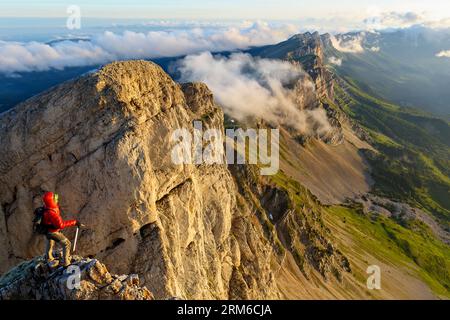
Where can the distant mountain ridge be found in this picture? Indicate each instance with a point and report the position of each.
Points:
(401, 66)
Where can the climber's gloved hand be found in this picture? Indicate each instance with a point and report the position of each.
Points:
(79, 224)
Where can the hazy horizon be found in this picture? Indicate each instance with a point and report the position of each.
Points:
(234, 9)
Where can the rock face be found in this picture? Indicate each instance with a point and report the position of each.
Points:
(294, 226)
(307, 51)
(194, 231)
(34, 280)
(103, 142)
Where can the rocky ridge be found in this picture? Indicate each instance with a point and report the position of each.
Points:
(307, 51)
(103, 142)
(35, 280)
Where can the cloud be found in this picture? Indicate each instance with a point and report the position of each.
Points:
(348, 43)
(394, 20)
(354, 42)
(109, 46)
(405, 19)
(443, 54)
(35, 56)
(335, 61)
(248, 87)
(438, 24)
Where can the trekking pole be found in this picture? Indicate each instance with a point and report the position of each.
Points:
(75, 241)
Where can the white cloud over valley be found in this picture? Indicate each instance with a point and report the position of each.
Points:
(335, 61)
(348, 43)
(248, 87)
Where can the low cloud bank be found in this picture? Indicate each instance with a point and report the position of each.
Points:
(404, 19)
(394, 19)
(248, 87)
(108, 46)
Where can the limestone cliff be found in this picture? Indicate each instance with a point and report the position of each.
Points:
(103, 143)
(330, 165)
(307, 50)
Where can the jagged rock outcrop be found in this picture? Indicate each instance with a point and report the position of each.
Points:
(307, 51)
(311, 57)
(372, 205)
(297, 228)
(84, 279)
(103, 142)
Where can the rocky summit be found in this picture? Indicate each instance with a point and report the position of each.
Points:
(35, 280)
(104, 142)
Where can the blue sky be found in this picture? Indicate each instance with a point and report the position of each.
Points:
(223, 9)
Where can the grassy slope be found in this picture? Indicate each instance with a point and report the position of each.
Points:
(397, 245)
(411, 249)
(413, 165)
(381, 237)
(409, 83)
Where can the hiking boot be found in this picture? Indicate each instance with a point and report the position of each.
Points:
(53, 263)
(67, 262)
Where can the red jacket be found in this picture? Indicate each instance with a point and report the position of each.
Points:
(52, 215)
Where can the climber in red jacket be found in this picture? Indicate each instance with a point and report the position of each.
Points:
(53, 221)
